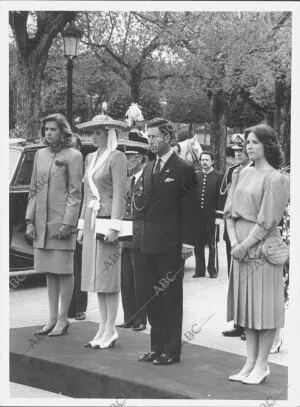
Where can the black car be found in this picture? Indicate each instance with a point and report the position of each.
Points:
(21, 157)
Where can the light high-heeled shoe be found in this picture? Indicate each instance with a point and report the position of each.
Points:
(43, 331)
(92, 343)
(105, 345)
(257, 380)
(276, 349)
(238, 377)
(62, 332)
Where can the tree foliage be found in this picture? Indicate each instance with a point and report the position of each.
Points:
(33, 35)
(222, 67)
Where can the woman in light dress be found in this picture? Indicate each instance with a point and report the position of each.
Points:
(254, 207)
(105, 183)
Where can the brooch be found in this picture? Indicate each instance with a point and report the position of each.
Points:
(61, 163)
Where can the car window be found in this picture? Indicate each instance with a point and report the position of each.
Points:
(25, 171)
(14, 156)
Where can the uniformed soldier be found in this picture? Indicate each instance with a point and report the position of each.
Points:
(209, 182)
(241, 161)
(132, 266)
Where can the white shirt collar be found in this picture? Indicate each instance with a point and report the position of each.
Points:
(164, 158)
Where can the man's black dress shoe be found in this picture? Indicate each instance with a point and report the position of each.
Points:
(148, 357)
(80, 316)
(213, 274)
(126, 325)
(165, 359)
(236, 331)
(243, 336)
(139, 327)
(196, 275)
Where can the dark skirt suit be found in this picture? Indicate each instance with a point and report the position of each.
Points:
(54, 199)
(101, 261)
(256, 202)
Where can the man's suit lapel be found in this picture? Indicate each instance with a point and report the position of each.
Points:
(166, 168)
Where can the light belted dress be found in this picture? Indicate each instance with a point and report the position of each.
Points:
(104, 194)
(256, 202)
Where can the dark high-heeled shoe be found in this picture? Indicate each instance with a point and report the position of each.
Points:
(87, 345)
(62, 332)
(43, 331)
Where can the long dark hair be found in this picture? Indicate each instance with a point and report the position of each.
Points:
(63, 124)
(266, 135)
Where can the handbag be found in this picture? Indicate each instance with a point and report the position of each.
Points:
(103, 225)
(274, 250)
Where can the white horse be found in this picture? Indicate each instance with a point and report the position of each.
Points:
(190, 150)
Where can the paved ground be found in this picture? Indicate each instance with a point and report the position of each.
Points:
(204, 304)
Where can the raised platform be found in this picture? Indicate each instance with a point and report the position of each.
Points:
(63, 365)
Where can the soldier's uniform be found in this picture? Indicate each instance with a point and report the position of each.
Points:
(132, 266)
(226, 182)
(211, 207)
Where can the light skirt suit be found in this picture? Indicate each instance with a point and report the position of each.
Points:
(256, 202)
(54, 199)
(101, 261)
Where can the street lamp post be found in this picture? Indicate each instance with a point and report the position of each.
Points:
(71, 37)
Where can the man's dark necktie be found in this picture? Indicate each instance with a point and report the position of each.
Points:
(132, 184)
(156, 169)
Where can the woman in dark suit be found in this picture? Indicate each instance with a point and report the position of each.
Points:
(52, 212)
(104, 195)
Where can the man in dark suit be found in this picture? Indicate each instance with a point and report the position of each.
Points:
(132, 259)
(168, 236)
(210, 209)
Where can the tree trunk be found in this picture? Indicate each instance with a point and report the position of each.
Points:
(29, 95)
(285, 128)
(32, 54)
(218, 136)
(190, 130)
(135, 84)
(279, 98)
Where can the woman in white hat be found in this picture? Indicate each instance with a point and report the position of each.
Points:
(104, 195)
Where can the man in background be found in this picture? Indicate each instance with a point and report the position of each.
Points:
(211, 209)
(242, 160)
(133, 290)
(79, 299)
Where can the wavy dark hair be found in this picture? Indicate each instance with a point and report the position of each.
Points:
(266, 135)
(208, 152)
(165, 126)
(63, 124)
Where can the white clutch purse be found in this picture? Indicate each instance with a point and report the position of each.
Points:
(103, 224)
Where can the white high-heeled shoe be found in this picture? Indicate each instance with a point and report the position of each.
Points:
(238, 377)
(276, 348)
(105, 345)
(257, 380)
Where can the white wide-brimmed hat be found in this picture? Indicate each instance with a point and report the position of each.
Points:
(103, 121)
